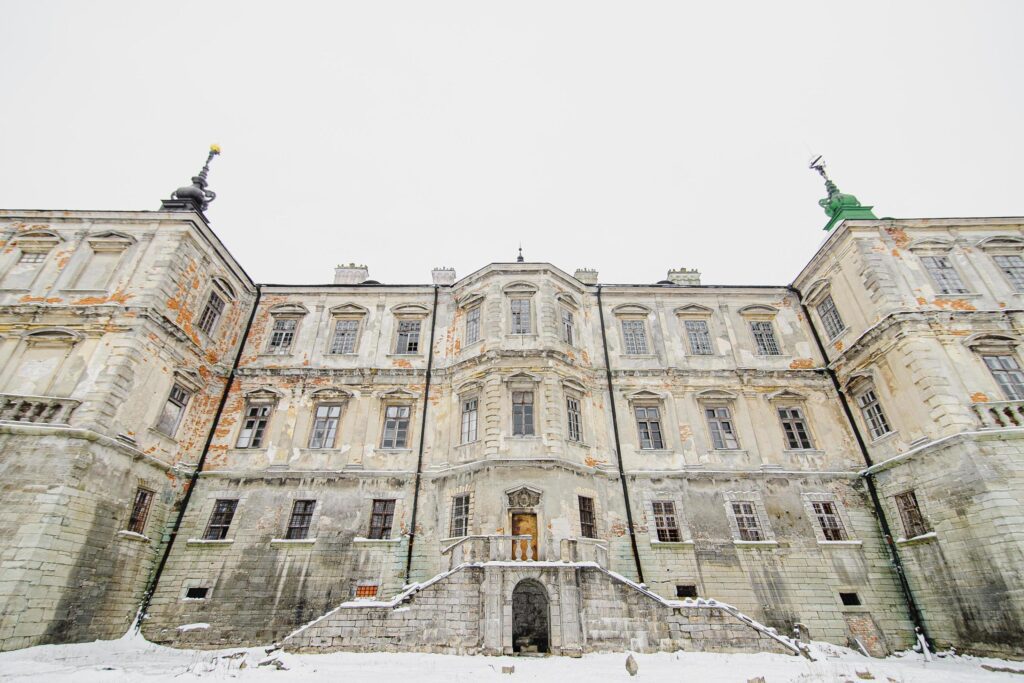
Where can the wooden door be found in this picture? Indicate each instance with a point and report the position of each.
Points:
(525, 523)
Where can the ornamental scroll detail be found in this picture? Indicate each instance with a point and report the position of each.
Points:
(523, 498)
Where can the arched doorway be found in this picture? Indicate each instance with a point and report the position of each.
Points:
(529, 617)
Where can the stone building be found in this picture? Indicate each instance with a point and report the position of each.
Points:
(519, 459)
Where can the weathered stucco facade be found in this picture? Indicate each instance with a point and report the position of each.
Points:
(521, 426)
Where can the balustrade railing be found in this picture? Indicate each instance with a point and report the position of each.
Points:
(39, 409)
(496, 547)
(584, 550)
(999, 414)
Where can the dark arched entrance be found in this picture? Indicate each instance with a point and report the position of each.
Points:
(529, 617)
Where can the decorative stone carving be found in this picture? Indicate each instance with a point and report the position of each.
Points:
(524, 498)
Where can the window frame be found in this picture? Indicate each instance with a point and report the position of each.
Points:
(412, 346)
(908, 506)
(399, 406)
(830, 318)
(630, 339)
(461, 514)
(645, 420)
(793, 426)
(474, 324)
(567, 324)
(587, 516)
(300, 531)
(690, 345)
(573, 418)
(528, 427)
(180, 403)
(385, 513)
(876, 419)
(219, 523)
(469, 420)
(276, 339)
(766, 341)
(945, 278)
(830, 523)
(1012, 389)
(253, 440)
(715, 423)
(1014, 274)
(142, 504)
(329, 404)
(517, 317)
(661, 514)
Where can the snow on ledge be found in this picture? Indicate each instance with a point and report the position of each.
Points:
(200, 626)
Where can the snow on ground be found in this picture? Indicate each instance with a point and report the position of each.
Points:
(135, 659)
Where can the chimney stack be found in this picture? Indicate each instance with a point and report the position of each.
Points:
(587, 276)
(443, 276)
(351, 274)
(684, 276)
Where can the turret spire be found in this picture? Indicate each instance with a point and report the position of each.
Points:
(519, 259)
(194, 197)
(838, 206)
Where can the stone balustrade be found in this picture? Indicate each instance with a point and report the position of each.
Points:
(495, 547)
(999, 414)
(39, 409)
(584, 550)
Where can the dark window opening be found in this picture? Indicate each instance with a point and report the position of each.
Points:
(302, 517)
(686, 591)
(850, 598)
(196, 593)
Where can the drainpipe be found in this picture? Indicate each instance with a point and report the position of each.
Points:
(423, 434)
(883, 522)
(147, 597)
(618, 444)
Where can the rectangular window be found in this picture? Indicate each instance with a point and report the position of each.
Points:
(665, 522)
(211, 313)
(282, 335)
(344, 340)
(648, 424)
(196, 593)
(520, 316)
(686, 591)
(795, 428)
(473, 325)
(723, 436)
(747, 522)
(945, 276)
(366, 591)
(174, 408)
(829, 521)
(396, 427)
(220, 520)
(96, 273)
(408, 337)
(254, 426)
(699, 337)
(522, 413)
(764, 337)
(588, 528)
(460, 515)
(850, 599)
(325, 425)
(302, 517)
(469, 420)
(1008, 375)
(910, 513)
(829, 315)
(381, 518)
(572, 414)
(871, 409)
(140, 511)
(634, 335)
(23, 273)
(32, 257)
(568, 325)
(1013, 267)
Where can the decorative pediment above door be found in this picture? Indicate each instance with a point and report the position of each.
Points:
(523, 497)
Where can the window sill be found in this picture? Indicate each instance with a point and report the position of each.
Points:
(655, 451)
(803, 451)
(773, 356)
(525, 437)
(292, 542)
(755, 544)
(201, 542)
(75, 290)
(671, 544)
(271, 354)
(953, 295)
(884, 437)
(161, 435)
(404, 355)
(841, 543)
(377, 541)
(468, 444)
(639, 356)
(133, 536)
(392, 450)
(580, 444)
(17, 290)
(918, 540)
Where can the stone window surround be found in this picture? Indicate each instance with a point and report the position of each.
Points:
(205, 510)
(718, 398)
(599, 513)
(322, 397)
(520, 290)
(695, 311)
(935, 246)
(762, 313)
(1002, 245)
(31, 242)
(814, 497)
(568, 303)
(466, 304)
(141, 484)
(62, 338)
(346, 311)
(196, 583)
(787, 398)
(409, 312)
(757, 499)
(994, 344)
(575, 390)
(634, 312)
(676, 498)
(648, 399)
(107, 241)
(222, 288)
(893, 509)
(447, 517)
(283, 514)
(816, 294)
(286, 311)
(363, 523)
(257, 396)
(397, 397)
(523, 381)
(859, 383)
(466, 391)
(190, 382)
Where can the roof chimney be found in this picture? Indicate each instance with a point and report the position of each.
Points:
(587, 276)
(351, 274)
(684, 276)
(443, 276)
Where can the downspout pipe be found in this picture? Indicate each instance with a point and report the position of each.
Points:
(876, 501)
(423, 435)
(147, 597)
(618, 443)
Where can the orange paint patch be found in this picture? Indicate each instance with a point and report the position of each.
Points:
(899, 236)
(978, 397)
(801, 364)
(685, 432)
(39, 300)
(117, 297)
(401, 363)
(591, 461)
(954, 304)
(838, 346)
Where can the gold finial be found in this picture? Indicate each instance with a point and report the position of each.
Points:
(214, 149)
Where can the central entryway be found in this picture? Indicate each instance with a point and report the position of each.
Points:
(529, 617)
(525, 523)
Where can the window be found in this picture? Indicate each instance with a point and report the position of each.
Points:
(910, 513)
(665, 522)
(325, 425)
(686, 591)
(795, 428)
(1013, 267)
(849, 599)
(469, 420)
(211, 314)
(302, 516)
(32, 257)
(699, 337)
(634, 337)
(568, 323)
(587, 520)
(522, 413)
(408, 337)
(220, 520)
(871, 409)
(764, 337)
(829, 315)
(473, 325)
(281, 335)
(196, 593)
(381, 518)
(572, 414)
(648, 424)
(520, 316)
(257, 415)
(944, 275)
(829, 521)
(460, 515)
(745, 514)
(723, 436)
(174, 408)
(140, 511)
(366, 591)
(344, 339)
(23, 273)
(1007, 374)
(396, 427)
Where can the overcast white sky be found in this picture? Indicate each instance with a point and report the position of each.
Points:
(625, 136)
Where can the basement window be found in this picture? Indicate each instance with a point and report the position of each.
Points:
(196, 593)
(366, 591)
(686, 591)
(849, 599)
